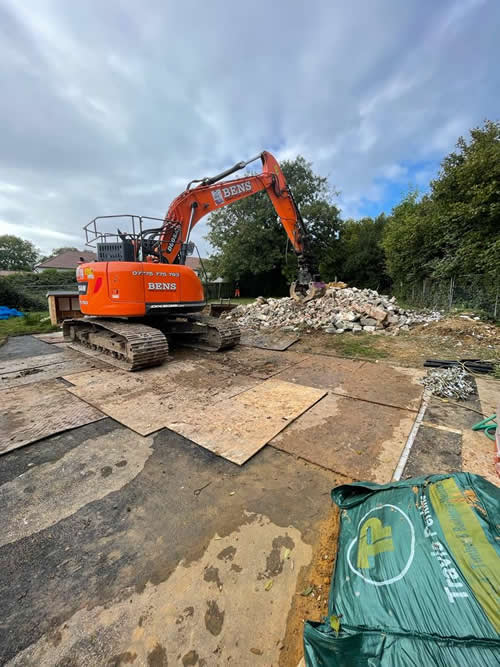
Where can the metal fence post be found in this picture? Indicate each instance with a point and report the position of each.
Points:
(496, 306)
(450, 295)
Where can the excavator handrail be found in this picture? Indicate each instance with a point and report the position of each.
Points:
(94, 235)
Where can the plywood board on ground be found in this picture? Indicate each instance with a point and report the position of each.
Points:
(257, 363)
(435, 450)
(51, 338)
(380, 383)
(35, 411)
(278, 340)
(123, 396)
(23, 363)
(352, 437)
(478, 451)
(147, 401)
(478, 455)
(489, 395)
(24, 346)
(236, 428)
(21, 371)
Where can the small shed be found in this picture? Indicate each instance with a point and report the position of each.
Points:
(63, 305)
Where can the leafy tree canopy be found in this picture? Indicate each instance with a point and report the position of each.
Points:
(16, 254)
(362, 260)
(455, 229)
(59, 251)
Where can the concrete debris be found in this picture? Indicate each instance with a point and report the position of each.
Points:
(451, 382)
(339, 310)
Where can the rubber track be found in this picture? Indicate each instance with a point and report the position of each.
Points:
(146, 346)
(229, 333)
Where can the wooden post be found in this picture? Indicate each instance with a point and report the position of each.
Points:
(53, 310)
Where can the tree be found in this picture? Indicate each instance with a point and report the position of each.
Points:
(251, 244)
(59, 251)
(363, 257)
(408, 239)
(455, 229)
(16, 254)
(466, 196)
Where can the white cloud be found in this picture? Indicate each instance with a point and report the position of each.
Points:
(113, 107)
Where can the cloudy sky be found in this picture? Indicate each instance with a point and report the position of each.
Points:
(111, 107)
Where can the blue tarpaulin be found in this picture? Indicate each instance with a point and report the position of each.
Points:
(6, 313)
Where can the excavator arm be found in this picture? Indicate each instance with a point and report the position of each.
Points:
(211, 194)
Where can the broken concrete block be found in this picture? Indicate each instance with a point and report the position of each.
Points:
(357, 327)
(377, 313)
(369, 329)
(368, 322)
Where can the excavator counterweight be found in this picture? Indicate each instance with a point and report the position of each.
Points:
(139, 294)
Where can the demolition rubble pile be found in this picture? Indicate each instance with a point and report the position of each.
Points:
(339, 310)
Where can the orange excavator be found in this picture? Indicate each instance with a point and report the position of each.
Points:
(140, 294)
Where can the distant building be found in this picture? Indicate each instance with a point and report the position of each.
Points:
(67, 260)
(195, 264)
(72, 258)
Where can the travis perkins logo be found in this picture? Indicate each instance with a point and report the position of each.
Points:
(231, 191)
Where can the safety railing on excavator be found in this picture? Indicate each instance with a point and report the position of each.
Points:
(141, 240)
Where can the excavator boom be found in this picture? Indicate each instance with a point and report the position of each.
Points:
(211, 194)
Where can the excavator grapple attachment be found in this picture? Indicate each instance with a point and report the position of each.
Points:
(302, 293)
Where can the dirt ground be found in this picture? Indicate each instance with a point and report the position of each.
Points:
(123, 549)
(450, 338)
(310, 601)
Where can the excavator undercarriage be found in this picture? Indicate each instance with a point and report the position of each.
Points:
(133, 345)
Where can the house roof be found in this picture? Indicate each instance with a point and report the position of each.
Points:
(193, 262)
(71, 259)
(68, 260)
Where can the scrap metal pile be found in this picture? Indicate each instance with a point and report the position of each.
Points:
(451, 382)
(338, 311)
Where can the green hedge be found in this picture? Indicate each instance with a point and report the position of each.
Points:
(27, 291)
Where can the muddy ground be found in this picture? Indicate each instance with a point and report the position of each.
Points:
(117, 549)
